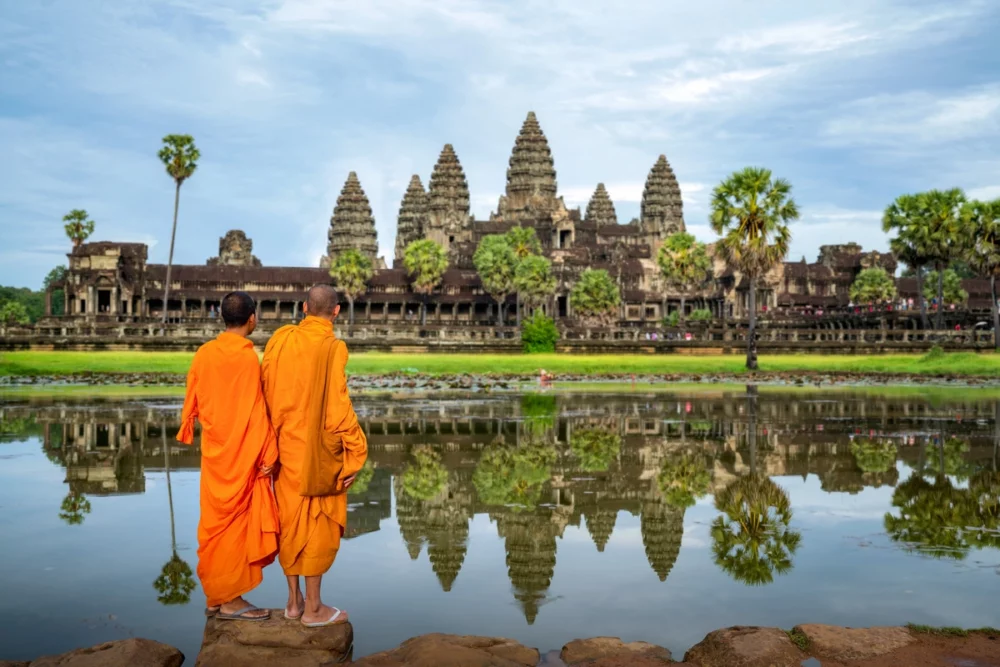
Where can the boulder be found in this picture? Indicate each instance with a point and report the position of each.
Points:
(611, 650)
(124, 653)
(276, 642)
(742, 646)
(836, 643)
(438, 650)
(13, 663)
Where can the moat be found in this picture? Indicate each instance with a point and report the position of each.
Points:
(542, 517)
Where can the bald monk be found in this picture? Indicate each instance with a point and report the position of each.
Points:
(238, 529)
(311, 526)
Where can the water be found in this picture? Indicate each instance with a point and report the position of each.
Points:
(542, 517)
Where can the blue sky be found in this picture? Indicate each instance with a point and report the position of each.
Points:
(854, 102)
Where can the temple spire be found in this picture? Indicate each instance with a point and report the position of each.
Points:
(352, 224)
(600, 208)
(412, 216)
(531, 177)
(662, 207)
(448, 218)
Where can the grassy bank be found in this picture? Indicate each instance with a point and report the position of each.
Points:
(958, 364)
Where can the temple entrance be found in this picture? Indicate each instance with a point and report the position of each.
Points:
(103, 301)
(561, 306)
(565, 238)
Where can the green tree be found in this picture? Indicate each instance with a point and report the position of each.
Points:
(180, 157)
(683, 479)
(524, 242)
(351, 272)
(943, 236)
(496, 263)
(981, 221)
(684, 264)
(426, 262)
(534, 281)
(78, 226)
(903, 217)
(595, 449)
(13, 313)
(935, 518)
(56, 276)
(751, 211)
(949, 286)
(175, 583)
(539, 334)
(426, 477)
(873, 455)
(75, 507)
(595, 297)
(873, 286)
(513, 475)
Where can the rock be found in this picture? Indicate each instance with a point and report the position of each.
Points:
(276, 642)
(438, 650)
(742, 646)
(579, 651)
(12, 663)
(837, 643)
(124, 653)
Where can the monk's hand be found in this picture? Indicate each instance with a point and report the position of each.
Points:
(266, 471)
(349, 480)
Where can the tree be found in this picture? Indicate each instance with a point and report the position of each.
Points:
(683, 479)
(539, 334)
(513, 475)
(534, 281)
(751, 211)
(56, 276)
(873, 286)
(982, 224)
(364, 478)
(180, 157)
(595, 296)
(13, 313)
(176, 581)
(351, 272)
(524, 242)
(684, 264)
(426, 477)
(78, 226)
(942, 235)
(75, 507)
(948, 287)
(595, 449)
(496, 263)
(426, 262)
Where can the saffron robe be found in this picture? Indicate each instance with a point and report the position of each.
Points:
(238, 528)
(311, 527)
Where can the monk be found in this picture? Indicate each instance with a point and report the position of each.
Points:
(238, 529)
(311, 526)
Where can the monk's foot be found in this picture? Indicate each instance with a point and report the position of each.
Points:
(295, 607)
(243, 610)
(325, 615)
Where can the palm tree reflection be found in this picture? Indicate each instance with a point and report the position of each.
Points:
(176, 580)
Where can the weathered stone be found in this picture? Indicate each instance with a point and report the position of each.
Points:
(662, 528)
(352, 224)
(13, 663)
(600, 525)
(837, 643)
(662, 210)
(580, 650)
(531, 176)
(412, 216)
(439, 650)
(741, 646)
(124, 653)
(600, 208)
(448, 219)
(278, 640)
(235, 249)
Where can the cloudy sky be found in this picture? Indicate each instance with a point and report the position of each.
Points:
(855, 102)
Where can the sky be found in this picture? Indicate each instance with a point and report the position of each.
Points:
(854, 102)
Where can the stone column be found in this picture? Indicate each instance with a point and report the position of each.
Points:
(48, 303)
(368, 310)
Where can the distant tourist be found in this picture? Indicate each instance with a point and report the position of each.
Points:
(545, 378)
(237, 532)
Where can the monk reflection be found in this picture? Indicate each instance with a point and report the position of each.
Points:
(237, 532)
(305, 386)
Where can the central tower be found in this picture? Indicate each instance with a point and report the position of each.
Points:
(531, 178)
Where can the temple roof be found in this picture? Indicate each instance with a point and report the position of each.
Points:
(600, 209)
(532, 171)
(412, 216)
(448, 190)
(352, 224)
(662, 209)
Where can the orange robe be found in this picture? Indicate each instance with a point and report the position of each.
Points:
(311, 528)
(238, 529)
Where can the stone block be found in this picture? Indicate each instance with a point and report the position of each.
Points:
(439, 650)
(585, 651)
(741, 646)
(276, 641)
(124, 653)
(837, 643)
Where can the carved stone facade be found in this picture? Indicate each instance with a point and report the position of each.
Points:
(600, 208)
(662, 207)
(352, 224)
(412, 222)
(235, 249)
(448, 218)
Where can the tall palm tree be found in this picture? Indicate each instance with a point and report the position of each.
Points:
(78, 226)
(941, 234)
(982, 224)
(524, 242)
(534, 281)
(351, 271)
(180, 156)
(496, 264)
(684, 265)
(751, 211)
(176, 580)
(426, 262)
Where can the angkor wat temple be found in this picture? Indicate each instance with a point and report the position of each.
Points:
(112, 292)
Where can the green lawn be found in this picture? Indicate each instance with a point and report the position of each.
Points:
(962, 364)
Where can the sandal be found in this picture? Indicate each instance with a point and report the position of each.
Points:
(241, 615)
(331, 621)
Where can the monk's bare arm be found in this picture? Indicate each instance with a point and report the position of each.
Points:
(185, 434)
(341, 418)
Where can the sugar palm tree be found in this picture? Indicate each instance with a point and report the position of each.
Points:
(74, 508)
(684, 264)
(351, 272)
(903, 217)
(751, 211)
(524, 242)
(496, 263)
(982, 224)
(78, 226)
(941, 234)
(534, 281)
(426, 262)
(180, 157)
(176, 580)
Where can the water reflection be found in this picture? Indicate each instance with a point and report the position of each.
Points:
(538, 464)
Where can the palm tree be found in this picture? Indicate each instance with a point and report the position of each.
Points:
(595, 297)
(176, 581)
(982, 224)
(426, 262)
(78, 226)
(426, 477)
(74, 508)
(496, 263)
(903, 216)
(351, 272)
(751, 211)
(684, 265)
(524, 242)
(595, 448)
(683, 479)
(534, 281)
(180, 156)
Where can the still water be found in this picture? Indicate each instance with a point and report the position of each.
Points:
(541, 517)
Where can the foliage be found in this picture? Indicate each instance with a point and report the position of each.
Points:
(948, 457)
(539, 412)
(33, 302)
(683, 261)
(873, 286)
(982, 222)
(872, 455)
(595, 448)
(595, 297)
(701, 315)
(934, 517)
(936, 353)
(56, 276)
(175, 583)
(672, 319)
(513, 476)
(523, 241)
(798, 638)
(751, 541)
(953, 292)
(351, 272)
(426, 477)
(14, 312)
(496, 263)
(683, 479)
(425, 262)
(75, 507)
(13, 427)
(364, 478)
(533, 280)
(539, 334)
(78, 226)
(179, 156)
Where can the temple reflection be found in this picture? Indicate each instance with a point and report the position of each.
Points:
(539, 463)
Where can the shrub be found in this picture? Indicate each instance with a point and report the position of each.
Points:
(539, 334)
(672, 320)
(701, 315)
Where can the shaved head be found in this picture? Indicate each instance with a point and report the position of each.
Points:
(322, 301)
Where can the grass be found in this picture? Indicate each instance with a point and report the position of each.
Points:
(949, 631)
(798, 638)
(967, 364)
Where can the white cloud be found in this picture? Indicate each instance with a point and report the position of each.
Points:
(799, 38)
(986, 192)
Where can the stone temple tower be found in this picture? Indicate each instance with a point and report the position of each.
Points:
(600, 209)
(531, 177)
(448, 218)
(412, 220)
(352, 224)
(662, 208)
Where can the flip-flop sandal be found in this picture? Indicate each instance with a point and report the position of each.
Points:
(241, 615)
(292, 618)
(331, 621)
